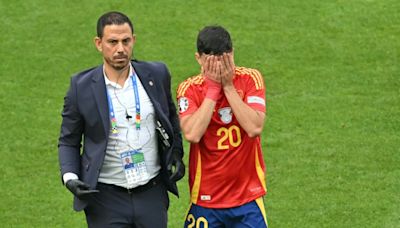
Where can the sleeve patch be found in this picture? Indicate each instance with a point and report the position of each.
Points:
(183, 104)
(255, 100)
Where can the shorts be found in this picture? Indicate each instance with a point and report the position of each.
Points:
(251, 215)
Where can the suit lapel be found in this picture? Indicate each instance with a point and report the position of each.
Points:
(151, 85)
(148, 83)
(99, 93)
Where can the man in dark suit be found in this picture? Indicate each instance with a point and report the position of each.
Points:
(121, 110)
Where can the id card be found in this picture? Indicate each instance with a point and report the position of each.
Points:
(134, 166)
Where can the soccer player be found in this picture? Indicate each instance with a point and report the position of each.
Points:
(222, 112)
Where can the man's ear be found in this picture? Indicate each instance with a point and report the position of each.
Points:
(198, 58)
(133, 39)
(233, 56)
(97, 42)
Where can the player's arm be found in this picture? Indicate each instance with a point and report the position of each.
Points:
(251, 120)
(195, 125)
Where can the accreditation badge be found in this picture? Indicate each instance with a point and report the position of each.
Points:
(134, 166)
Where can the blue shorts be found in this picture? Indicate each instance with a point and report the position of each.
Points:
(251, 215)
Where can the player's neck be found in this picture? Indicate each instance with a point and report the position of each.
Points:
(117, 76)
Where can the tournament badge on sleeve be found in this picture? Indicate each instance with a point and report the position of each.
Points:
(134, 166)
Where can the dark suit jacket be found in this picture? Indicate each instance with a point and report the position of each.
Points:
(85, 118)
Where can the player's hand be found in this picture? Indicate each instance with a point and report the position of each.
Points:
(79, 188)
(211, 68)
(227, 69)
(211, 72)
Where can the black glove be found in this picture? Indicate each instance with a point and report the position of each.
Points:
(79, 188)
(176, 168)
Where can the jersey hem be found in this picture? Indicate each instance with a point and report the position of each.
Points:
(232, 205)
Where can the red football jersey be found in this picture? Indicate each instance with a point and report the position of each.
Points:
(226, 168)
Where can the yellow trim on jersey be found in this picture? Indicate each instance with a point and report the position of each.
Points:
(187, 83)
(254, 74)
(182, 88)
(260, 204)
(260, 171)
(198, 79)
(197, 178)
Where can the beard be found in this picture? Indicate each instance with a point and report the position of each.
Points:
(118, 63)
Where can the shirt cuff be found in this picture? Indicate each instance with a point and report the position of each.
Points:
(69, 176)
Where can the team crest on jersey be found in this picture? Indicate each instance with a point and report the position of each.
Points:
(183, 104)
(225, 114)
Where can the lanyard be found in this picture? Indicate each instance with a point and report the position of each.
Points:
(136, 91)
(114, 128)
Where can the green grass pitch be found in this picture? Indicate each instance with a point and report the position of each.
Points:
(332, 135)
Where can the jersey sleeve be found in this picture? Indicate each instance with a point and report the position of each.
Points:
(255, 95)
(186, 98)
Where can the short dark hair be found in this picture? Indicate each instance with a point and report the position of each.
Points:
(214, 40)
(112, 18)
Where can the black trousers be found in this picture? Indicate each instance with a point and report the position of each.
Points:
(117, 207)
